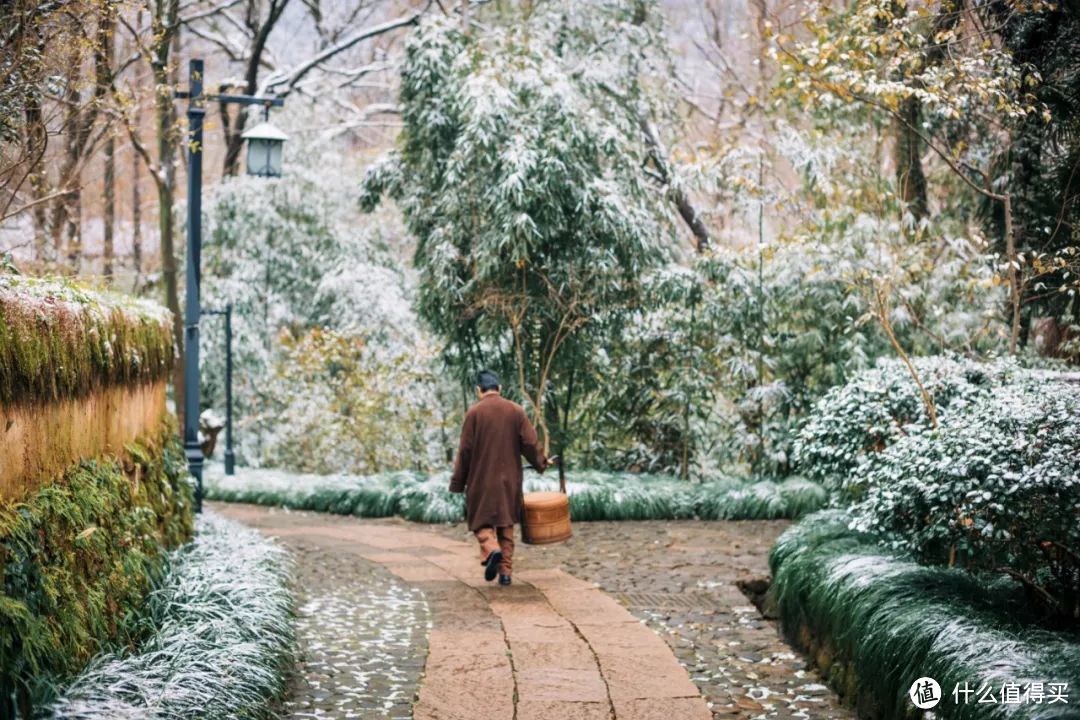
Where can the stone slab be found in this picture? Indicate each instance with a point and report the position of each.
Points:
(588, 607)
(652, 676)
(665, 709)
(548, 710)
(418, 571)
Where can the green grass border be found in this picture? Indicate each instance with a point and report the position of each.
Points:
(873, 622)
(78, 557)
(222, 643)
(594, 495)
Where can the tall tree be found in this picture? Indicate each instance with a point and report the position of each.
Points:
(158, 49)
(520, 174)
(1043, 164)
(105, 57)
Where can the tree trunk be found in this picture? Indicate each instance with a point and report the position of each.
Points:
(73, 226)
(110, 208)
(1014, 274)
(165, 30)
(37, 139)
(104, 66)
(910, 179)
(59, 223)
(136, 218)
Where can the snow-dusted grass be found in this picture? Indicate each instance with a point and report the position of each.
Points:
(593, 495)
(222, 640)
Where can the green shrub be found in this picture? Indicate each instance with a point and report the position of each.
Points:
(995, 488)
(59, 339)
(762, 500)
(880, 406)
(875, 621)
(78, 557)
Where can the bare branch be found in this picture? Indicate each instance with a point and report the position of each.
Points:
(290, 79)
(32, 203)
(202, 14)
(682, 203)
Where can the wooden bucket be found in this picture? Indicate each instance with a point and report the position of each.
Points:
(546, 518)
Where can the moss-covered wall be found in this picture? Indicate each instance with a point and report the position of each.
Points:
(61, 340)
(82, 373)
(78, 557)
(93, 488)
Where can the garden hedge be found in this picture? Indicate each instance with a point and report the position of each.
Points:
(995, 488)
(594, 495)
(874, 621)
(878, 406)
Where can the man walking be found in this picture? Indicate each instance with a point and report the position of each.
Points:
(495, 435)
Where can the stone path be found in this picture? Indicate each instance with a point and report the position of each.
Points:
(362, 634)
(552, 645)
(683, 578)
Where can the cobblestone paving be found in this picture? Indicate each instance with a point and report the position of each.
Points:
(362, 634)
(680, 577)
(550, 647)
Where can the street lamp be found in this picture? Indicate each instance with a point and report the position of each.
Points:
(264, 143)
(192, 310)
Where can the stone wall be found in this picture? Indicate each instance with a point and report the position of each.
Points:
(39, 442)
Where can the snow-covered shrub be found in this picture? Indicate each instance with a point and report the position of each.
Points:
(340, 402)
(875, 621)
(306, 272)
(996, 487)
(222, 641)
(883, 404)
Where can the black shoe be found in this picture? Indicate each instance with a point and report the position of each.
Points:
(491, 567)
(504, 580)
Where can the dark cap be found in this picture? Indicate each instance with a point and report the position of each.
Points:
(487, 380)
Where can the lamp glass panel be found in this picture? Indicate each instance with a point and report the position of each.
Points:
(273, 165)
(258, 157)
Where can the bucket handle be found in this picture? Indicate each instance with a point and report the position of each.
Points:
(562, 478)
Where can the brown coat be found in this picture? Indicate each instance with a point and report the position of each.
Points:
(495, 435)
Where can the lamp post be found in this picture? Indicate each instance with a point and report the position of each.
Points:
(230, 457)
(196, 112)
